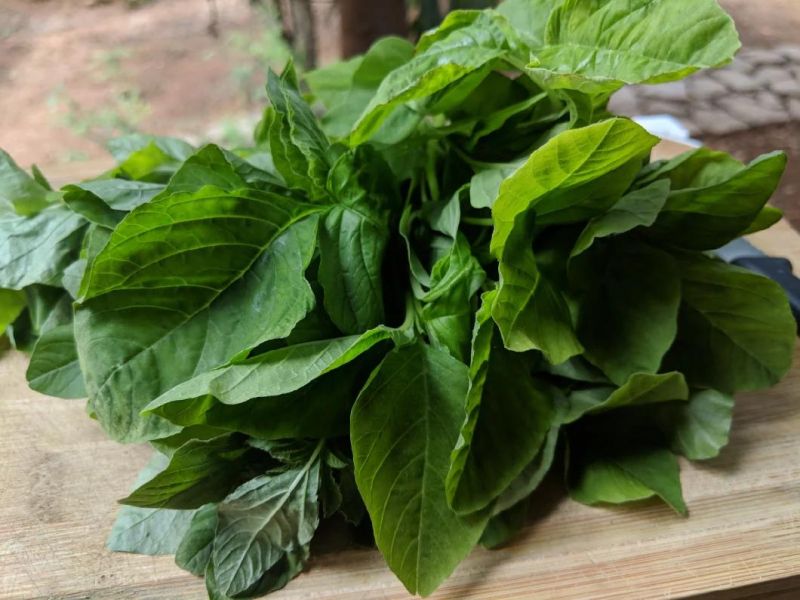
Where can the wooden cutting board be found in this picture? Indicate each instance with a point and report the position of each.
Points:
(60, 478)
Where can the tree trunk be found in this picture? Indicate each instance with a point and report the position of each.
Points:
(364, 21)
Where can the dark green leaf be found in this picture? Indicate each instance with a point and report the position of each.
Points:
(263, 521)
(401, 453)
(641, 388)
(199, 472)
(628, 317)
(194, 552)
(176, 272)
(508, 416)
(735, 332)
(54, 369)
(616, 468)
(299, 147)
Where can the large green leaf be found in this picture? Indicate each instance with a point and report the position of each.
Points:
(263, 521)
(402, 429)
(276, 372)
(149, 530)
(54, 368)
(508, 417)
(37, 249)
(529, 309)
(176, 273)
(320, 409)
(628, 317)
(199, 472)
(712, 207)
(577, 175)
(598, 45)
(464, 51)
(736, 331)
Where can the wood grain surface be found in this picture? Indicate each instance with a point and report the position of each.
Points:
(60, 478)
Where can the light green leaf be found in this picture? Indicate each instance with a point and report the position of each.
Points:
(346, 88)
(716, 207)
(462, 52)
(485, 184)
(12, 303)
(54, 368)
(628, 317)
(616, 469)
(149, 530)
(264, 520)
(401, 454)
(698, 429)
(577, 175)
(599, 45)
(529, 309)
(147, 157)
(20, 192)
(177, 273)
(508, 416)
(736, 331)
(37, 249)
(529, 18)
(641, 388)
(638, 208)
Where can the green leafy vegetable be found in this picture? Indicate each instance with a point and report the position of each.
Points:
(442, 273)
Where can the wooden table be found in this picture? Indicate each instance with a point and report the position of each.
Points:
(60, 477)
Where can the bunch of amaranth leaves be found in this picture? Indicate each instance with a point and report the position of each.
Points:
(439, 269)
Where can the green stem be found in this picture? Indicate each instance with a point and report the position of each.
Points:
(482, 221)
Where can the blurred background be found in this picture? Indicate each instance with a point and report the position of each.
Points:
(75, 73)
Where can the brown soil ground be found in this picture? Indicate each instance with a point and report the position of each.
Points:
(72, 74)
